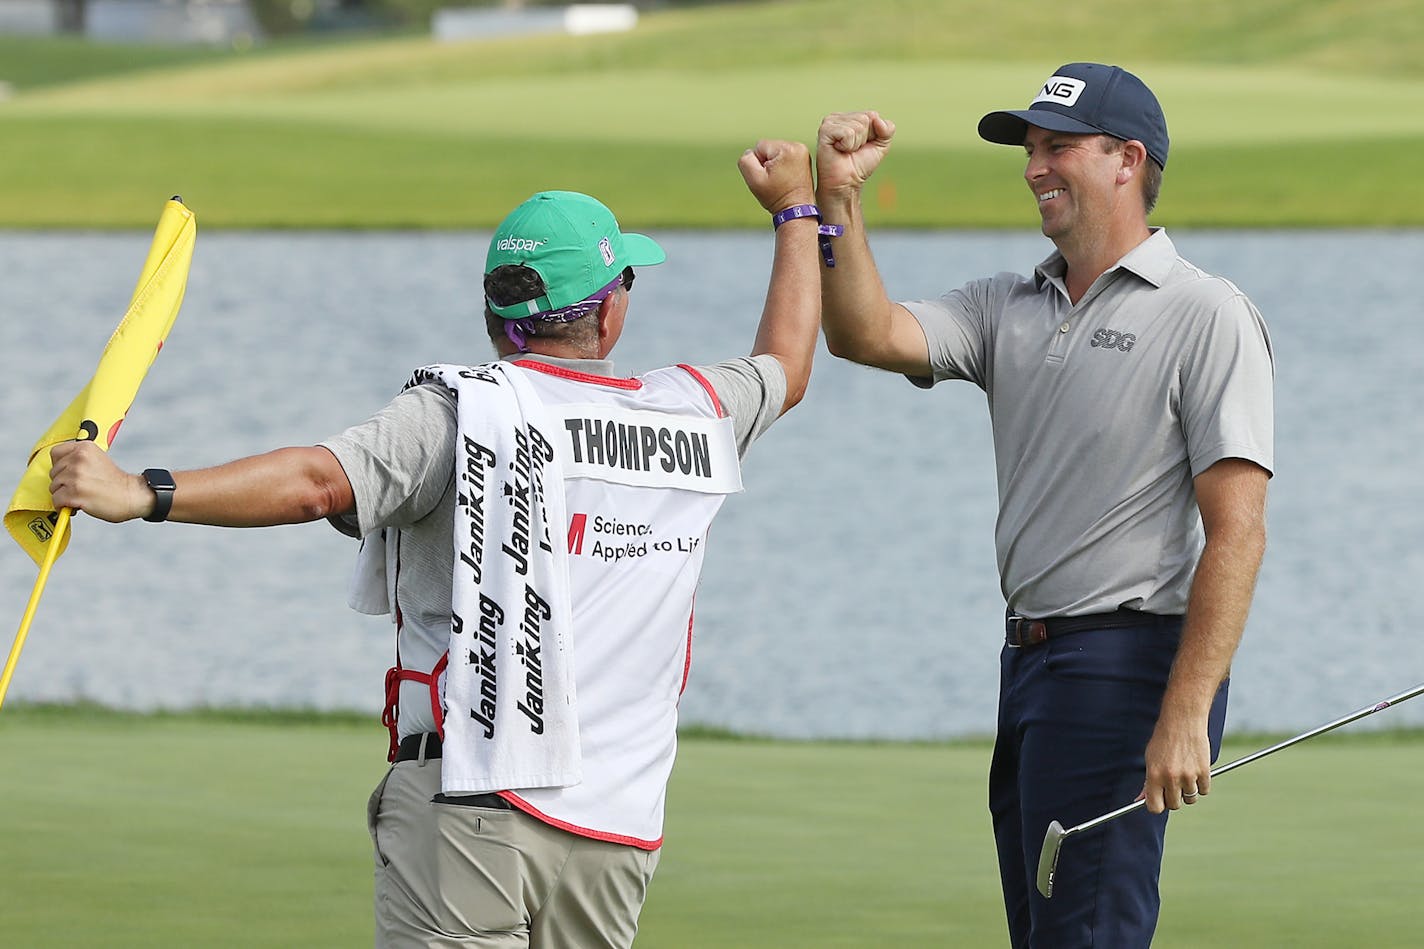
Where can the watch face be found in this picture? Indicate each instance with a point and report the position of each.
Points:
(159, 480)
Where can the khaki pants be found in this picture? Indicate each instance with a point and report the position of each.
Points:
(450, 875)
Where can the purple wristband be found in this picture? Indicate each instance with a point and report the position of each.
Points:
(824, 231)
(794, 212)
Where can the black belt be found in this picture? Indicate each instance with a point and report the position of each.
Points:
(1021, 631)
(409, 750)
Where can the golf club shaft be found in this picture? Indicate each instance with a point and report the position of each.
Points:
(1257, 755)
(1328, 726)
(1056, 835)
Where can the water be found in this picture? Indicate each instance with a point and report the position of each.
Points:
(849, 592)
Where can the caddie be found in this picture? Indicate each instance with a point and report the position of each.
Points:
(534, 526)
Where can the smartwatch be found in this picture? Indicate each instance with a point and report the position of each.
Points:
(160, 482)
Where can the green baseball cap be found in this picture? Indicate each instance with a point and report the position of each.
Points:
(575, 245)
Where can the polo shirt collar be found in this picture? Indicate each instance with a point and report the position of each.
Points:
(1152, 260)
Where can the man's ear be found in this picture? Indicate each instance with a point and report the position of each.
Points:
(1133, 153)
(611, 311)
(605, 316)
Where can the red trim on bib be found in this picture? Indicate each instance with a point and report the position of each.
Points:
(716, 402)
(575, 376)
(537, 814)
(687, 653)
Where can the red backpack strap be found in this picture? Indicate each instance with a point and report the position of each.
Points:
(391, 713)
(395, 675)
(437, 709)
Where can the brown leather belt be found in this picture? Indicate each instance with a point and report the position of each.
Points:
(1021, 631)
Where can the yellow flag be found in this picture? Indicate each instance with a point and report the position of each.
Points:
(98, 410)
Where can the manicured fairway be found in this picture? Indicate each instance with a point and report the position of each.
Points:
(1301, 126)
(200, 831)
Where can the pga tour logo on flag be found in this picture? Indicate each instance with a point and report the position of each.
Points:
(1063, 90)
(606, 249)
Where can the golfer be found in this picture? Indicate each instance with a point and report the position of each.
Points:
(1130, 397)
(535, 527)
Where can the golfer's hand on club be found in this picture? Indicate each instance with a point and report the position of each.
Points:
(778, 174)
(83, 477)
(1178, 763)
(849, 147)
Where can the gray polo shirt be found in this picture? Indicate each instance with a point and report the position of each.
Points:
(401, 465)
(1102, 413)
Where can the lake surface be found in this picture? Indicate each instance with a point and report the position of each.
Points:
(849, 592)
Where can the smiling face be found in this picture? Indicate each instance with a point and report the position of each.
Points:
(1076, 182)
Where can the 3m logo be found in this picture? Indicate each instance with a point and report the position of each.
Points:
(1063, 90)
(1112, 339)
(578, 525)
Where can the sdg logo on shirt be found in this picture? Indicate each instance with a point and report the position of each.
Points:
(1112, 339)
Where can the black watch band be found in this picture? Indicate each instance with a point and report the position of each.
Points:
(160, 482)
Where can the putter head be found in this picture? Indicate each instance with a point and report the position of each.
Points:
(1048, 858)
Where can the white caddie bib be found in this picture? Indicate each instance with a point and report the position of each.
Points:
(648, 449)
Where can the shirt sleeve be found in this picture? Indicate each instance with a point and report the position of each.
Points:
(401, 460)
(956, 328)
(1228, 376)
(752, 390)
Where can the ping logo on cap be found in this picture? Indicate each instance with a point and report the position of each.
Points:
(1064, 90)
(606, 249)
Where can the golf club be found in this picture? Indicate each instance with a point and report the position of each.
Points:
(1053, 840)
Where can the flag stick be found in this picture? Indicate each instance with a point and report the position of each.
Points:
(60, 526)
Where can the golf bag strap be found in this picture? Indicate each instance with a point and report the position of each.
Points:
(395, 675)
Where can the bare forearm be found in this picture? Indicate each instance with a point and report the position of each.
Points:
(778, 173)
(286, 486)
(1217, 607)
(855, 309)
(861, 322)
(1231, 496)
(792, 315)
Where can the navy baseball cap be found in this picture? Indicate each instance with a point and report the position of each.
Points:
(1089, 99)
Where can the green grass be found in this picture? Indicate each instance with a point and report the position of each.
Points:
(28, 62)
(35, 62)
(247, 830)
(1283, 113)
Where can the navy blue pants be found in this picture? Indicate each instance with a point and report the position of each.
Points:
(1075, 715)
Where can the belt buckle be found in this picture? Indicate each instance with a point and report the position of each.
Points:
(1025, 631)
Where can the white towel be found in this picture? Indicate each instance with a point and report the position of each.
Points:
(371, 590)
(511, 718)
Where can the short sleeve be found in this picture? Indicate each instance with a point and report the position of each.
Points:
(957, 331)
(1227, 408)
(752, 390)
(400, 461)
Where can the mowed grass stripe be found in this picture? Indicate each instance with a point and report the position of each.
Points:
(1283, 113)
(936, 104)
(112, 172)
(178, 832)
